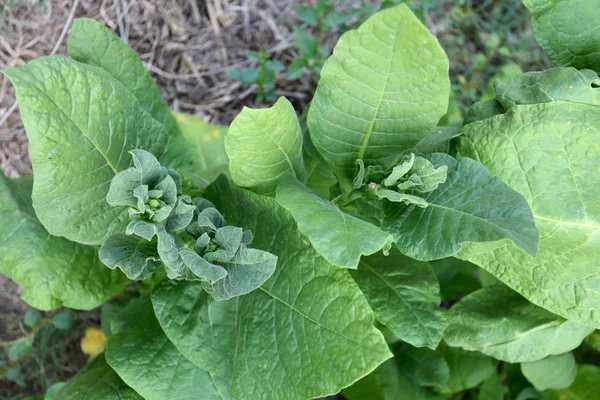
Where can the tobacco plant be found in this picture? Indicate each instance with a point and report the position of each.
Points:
(294, 258)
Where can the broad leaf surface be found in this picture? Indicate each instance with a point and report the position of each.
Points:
(319, 175)
(499, 322)
(467, 368)
(145, 359)
(383, 90)
(556, 84)
(207, 144)
(339, 237)
(492, 389)
(549, 153)
(307, 332)
(405, 296)
(554, 372)
(80, 124)
(482, 110)
(97, 381)
(568, 31)
(264, 146)
(424, 367)
(52, 271)
(92, 43)
(471, 206)
(586, 385)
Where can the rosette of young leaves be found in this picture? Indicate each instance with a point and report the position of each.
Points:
(223, 250)
(412, 173)
(152, 193)
(149, 189)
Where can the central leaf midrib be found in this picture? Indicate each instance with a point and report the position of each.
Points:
(365, 142)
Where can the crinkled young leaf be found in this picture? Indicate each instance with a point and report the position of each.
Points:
(554, 84)
(264, 146)
(339, 237)
(97, 381)
(568, 31)
(521, 147)
(145, 359)
(80, 124)
(399, 171)
(554, 372)
(246, 271)
(499, 322)
(586, 385)
(200, 267)
(383, 90)
(471, 206)
(182, 215)
(93, 44)
(467, 368)
(396, 197)
(307, 332)
(52, 271)
(424, 367)
(405, 296)
(135, 256)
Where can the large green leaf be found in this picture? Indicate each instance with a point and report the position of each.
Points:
(550, 153)
(264, 146)
(80, 124)
(145, 359)
(383, 90)
(471, 206)
(405, 296)
(556, 84)
(424, 367)
(92, 43)
(319, 176)
(554, 372)
(207, 144)
(568, 31)
(499, 322)
(97, 381)
(52, 271)
(339, 237)
(467, 368)
(385, 383)
(586, 385)
(307, 332)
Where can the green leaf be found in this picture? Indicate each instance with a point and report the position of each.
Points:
(207, 144)
(319, 176)
(145, 359)
(586, 385)
(568, 31)
(32, 318)
(385, 383)
(405, 296)
(554, 372)
(550, 154)
(93, 44)
(556, 84)
(307, 14)
(76, 150)
(52, 271)
(483, 110)
(268, 341)
(53, 391)
(492, 389)
(18, 350)
(136, 257)
(467, 368)
(97, 381)
(438, 141)
(456, 277)
(264, 146)
(339, 237)
(246, 271)
(383, 90)
(471, 206)
(499, 322)
(424, 367)
(64, 320)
